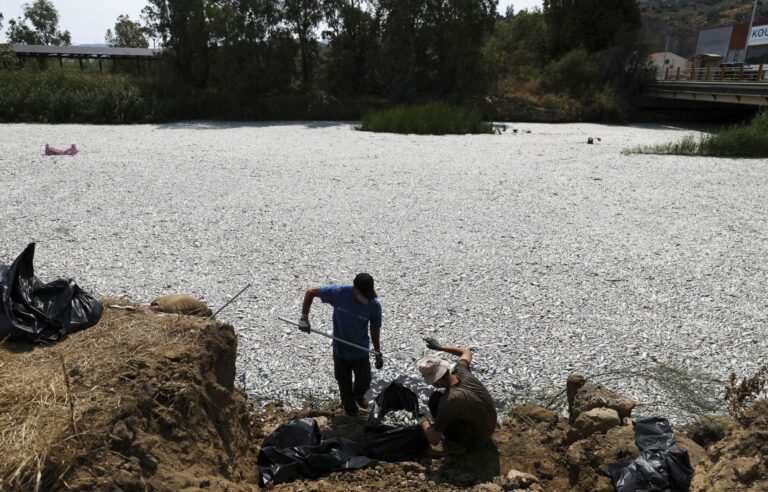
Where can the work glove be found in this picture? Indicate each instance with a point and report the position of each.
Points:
(379, 360)
(432, 343)
(304, 323)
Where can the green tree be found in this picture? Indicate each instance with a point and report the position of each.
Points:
(352, 46)
(517, 50)
(456, 33)
(402, 46)
(594, 25)
(43, 27)
(303, 17)
(255, 51)
(182, 26)
(434, 46)
(127, 34)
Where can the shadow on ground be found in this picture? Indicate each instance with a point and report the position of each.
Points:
(229, 125)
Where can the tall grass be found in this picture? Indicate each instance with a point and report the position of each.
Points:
(426, 119)
(745, 140)
(53, 97)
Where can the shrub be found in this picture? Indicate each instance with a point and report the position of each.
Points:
(575, 74)
(742, 397)
(426, 119)
(708, 429)
(746, 140)
(53, 97)
(567, 107)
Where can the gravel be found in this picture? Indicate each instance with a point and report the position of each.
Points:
(544, 254)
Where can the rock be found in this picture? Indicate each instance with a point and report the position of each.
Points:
(587, 396)
(537, 413)
(746, 469)
(487, 487)
(516, 479)
(604, 484)
(588, 457)
(575, 457)
(593, 421)
(121, 433)
(412, 467)
(575, 381)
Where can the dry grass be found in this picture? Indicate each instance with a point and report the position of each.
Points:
(688, 394)
(52, 398)
(743, 396)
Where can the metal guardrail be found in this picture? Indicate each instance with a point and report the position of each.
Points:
(713, 74)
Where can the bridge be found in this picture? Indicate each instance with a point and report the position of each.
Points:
(740, 85)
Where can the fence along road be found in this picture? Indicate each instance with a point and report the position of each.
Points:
(745, 85)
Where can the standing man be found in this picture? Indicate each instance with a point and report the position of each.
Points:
(354, 308)
(465, 412)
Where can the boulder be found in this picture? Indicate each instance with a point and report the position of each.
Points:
(746, 469)
(583, 396)
(587, 458)
(593, 421)
(516, 480)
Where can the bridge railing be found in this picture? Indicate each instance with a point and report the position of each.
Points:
(714, 74)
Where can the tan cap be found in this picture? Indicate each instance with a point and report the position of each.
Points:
(433, 368)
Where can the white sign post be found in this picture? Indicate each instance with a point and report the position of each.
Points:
(758, 36)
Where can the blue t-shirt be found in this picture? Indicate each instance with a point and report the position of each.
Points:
(350, 320)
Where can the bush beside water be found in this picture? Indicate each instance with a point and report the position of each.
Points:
(746, 140)
(52, 97)
(426, 119)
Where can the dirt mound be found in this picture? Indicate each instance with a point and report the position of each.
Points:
(144, 401)
(139, 401)
(738, 461)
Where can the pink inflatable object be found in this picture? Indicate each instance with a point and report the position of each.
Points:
(54, 151)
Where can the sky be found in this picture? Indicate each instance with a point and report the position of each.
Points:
(88, 20)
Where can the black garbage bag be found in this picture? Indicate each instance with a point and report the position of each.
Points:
(663, 466)
(394, 443)
(295, 450)
(31, 311)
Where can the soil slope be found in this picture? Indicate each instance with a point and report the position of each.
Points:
(147, 402)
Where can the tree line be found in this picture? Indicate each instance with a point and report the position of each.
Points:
(569, 53)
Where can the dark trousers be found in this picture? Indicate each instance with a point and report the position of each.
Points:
(344, 370)
(453, 432)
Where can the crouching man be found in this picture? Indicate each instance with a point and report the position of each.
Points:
(464, 413)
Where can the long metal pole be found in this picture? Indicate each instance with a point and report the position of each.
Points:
(229, 302)
(327, 335)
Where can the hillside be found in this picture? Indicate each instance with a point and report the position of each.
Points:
(682, 19)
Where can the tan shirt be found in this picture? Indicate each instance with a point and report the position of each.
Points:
(469, 405)
(180, 304)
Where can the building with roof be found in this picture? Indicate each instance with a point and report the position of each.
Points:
(662, 60)
(139, 56)
(729, 44)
